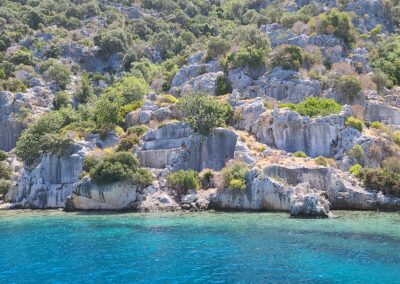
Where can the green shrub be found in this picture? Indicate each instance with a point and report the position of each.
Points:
(381, 80)
(355, 123)
(288, 57)
(90, 162)
(167, 99)
(348, 86)
(5, 170)
(3, 155)
(235, 175)
(357, 152)
(61, 100)
(396, 138)
(127, 143)
(249, 56)
(300, 154)
(339, 24)
(137, 130)
(321, 161)
(357, 170)
(43, 135)
(387, 60)
(222, 86)
(204, 113)
(218, 47)
(13, 85)
(206, 178)
(60, 74)
(22, 57)
(5, 186)
(313, 107)
(130, 89)
(86, 91)
(184, 180)
(380, 126)
(120, 166)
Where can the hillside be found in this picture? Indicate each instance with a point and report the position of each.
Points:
(158, 105)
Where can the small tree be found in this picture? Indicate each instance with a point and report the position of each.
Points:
(204, 113)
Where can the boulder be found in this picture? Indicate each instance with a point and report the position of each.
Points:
(176, 145)
(90, 196)
(188, 72)
(205, 83)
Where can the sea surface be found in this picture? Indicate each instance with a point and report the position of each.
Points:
(58, 247)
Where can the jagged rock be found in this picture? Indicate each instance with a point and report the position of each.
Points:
(206, 83)
(15, 107)
(279, 84)
(158, 201)
(50, 182)
(188, 72)
(301, 190)
(238, 79)
(145, 117)
(383, 112)
(90, 196)
(287, 130)
(377, 13)
(177, 146)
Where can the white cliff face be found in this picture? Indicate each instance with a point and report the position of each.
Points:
(90, 196)
(175, 145)
(287, 130)
(50, 182)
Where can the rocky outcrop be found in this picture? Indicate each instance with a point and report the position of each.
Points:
(303, 191)
(281, 85)
(193, 70)
(14, 108)
(90, 196)
(48, 183)
(383, 112)
(205, 83)
(176, 146)
(287, 130)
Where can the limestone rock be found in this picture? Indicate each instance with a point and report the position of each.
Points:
(90, 196)
(177, 146)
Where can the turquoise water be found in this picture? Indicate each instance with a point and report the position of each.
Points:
(57, 247)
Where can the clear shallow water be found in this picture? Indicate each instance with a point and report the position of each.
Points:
(57, 247)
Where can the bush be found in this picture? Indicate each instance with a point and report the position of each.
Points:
(127, 143)
(14, 85)
(300, 154)
(3, 155)
(137, 130)
(120, 166)
(396, 138)
(313, 107)
(60, 74)
(249, 56)
(356, 170)
(355, 123)
(217, 47)
(22, 57)
(204, 113)
(167, 99)
(5, 171)
(321, 161)
(357, 152)
(184, 180)
(5, 186)
(222, 85)
(131, 89)
(387, 61)
(61, 100)
(380, 126)
(288, 57)
(348, 86)
(90, 162)
(235, 175)
(339, 24)
(206, 178)
(43, 135)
